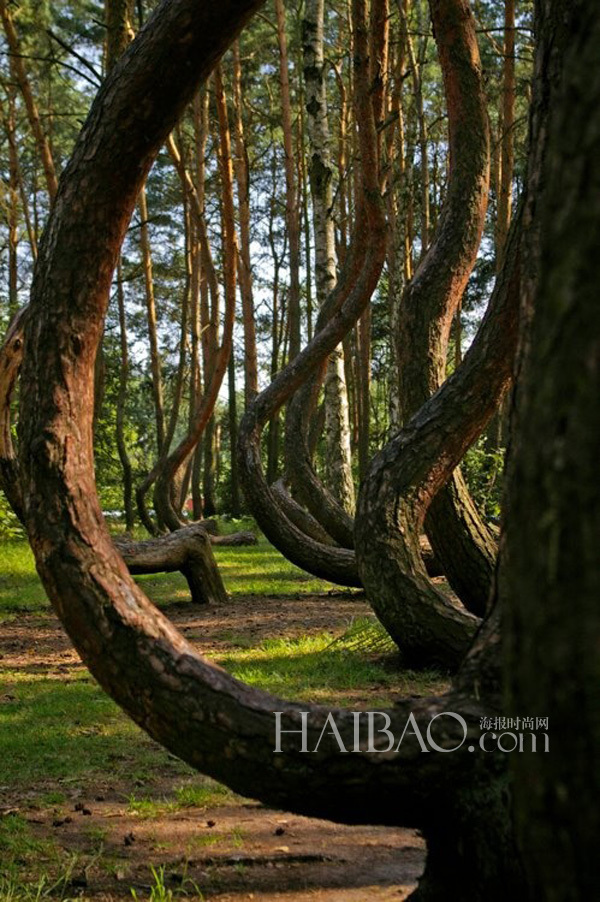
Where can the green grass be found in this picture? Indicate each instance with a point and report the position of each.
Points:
(20, 587)
(22, 853)
(60, 738)
(252, 570)
(202, 792)
(71, 733)
(319, 669)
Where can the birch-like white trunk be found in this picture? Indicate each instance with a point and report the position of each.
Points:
(338, 461)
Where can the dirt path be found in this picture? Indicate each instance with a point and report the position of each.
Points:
(234, 851)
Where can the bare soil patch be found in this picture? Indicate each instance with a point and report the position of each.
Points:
(237, 851)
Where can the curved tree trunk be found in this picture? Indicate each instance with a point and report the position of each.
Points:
(338, 314)
(460, 540)
(297, 515)
(194, 708)
(322, 502)
(404, 478)
(459, 800)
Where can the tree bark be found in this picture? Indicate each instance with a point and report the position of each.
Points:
(549, 573)
(122, 450)
(404, 478)
(507, 153)
(338, 463)
(189, 551)
(12, 217)
(292, 217)
(461, 541)
(345, 303)
(242, 175)
(20, 76)
(11, 356)
(217, 724)
(155, 361)
(235, 509)
(321, 500)
(205, 411)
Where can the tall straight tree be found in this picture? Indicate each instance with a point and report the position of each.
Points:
(242, 176)
(338, 463)
(292, 216)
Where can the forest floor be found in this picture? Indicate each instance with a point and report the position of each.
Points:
(92, 809)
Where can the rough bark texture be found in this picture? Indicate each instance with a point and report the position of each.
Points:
(188, 551)
(297, 515)
(119, 29)
(460, 540)
(192, 707)
(405, 476)
(549, 575)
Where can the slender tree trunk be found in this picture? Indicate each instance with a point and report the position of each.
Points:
(460, 540)
(338, 464)
(121, 401)
(416, 68)
(155, 361)
(20, 76)
(507, 154)
(13, 204)
(292, 218)
(337, 316)
(399, 251)
(245, 266)
(119, 29)
(220, 357)
(233, 424)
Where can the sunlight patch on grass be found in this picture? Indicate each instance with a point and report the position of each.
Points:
(315, 668)
(252, 570)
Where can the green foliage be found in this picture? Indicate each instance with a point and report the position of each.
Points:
(483, 470)
(10, 528)
(20, 849)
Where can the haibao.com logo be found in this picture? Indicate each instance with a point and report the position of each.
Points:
(372, 734)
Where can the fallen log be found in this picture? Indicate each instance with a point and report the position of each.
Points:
(235, 539)
(188, 550)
